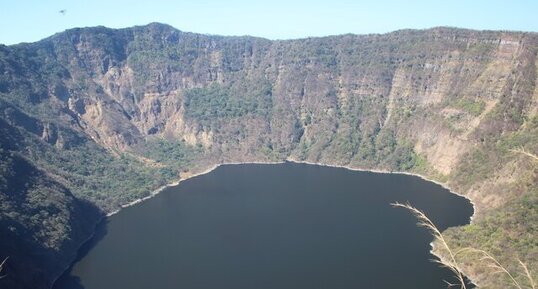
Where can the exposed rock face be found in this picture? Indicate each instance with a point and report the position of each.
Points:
(435, 102)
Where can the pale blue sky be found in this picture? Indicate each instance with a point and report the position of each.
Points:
(31, 20)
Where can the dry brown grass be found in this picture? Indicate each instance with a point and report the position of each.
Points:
(496, 267)
(452, 263)
(524, 152)
(2, 267)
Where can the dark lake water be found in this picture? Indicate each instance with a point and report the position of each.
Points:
(281, 226)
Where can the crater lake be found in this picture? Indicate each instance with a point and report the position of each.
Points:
(273, 226)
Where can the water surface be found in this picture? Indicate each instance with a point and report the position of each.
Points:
(281, 226)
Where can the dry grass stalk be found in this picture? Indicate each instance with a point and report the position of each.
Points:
(523, 151)
(527, 274)
(451, 263)
(2, 267)
(496, 265)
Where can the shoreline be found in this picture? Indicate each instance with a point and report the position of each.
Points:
(444, 186)
(432, 244)
(176, 183)
(292, 160)
(288, 159)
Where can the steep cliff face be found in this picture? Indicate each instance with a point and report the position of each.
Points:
(150, 101)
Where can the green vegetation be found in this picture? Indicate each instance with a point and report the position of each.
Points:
(422, 167)
(38, 216)
(216, 103)
(475, 108)
(93, 174)
(455, 256)
(506, 233)
(172, 157)
(213, 103)
(482, 162)
(509, 230)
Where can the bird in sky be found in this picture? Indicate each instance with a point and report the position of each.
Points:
(62, 11)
